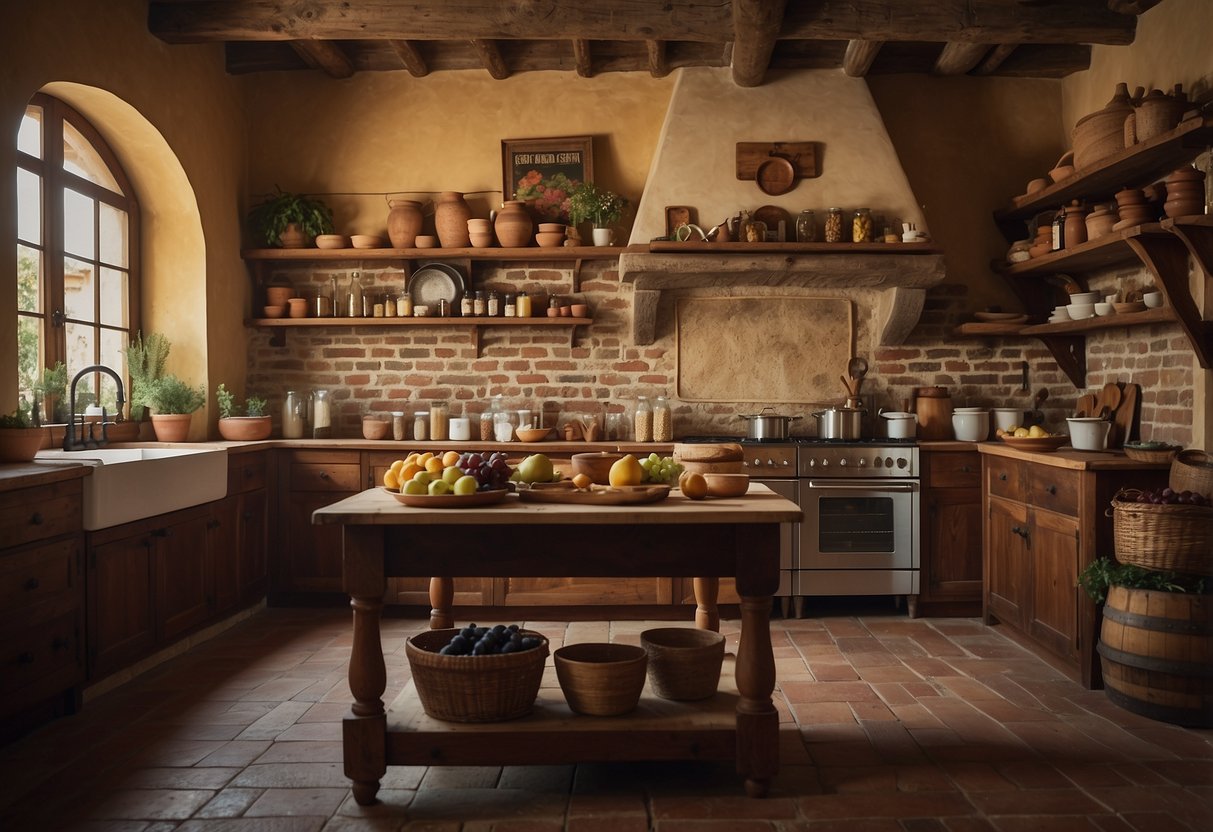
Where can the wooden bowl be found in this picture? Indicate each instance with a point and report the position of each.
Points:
(1127, 308)
(596, 465)
(550, 239)
(426, 241)
(601, 678)
(331, 241)
(366, 241)
(727, 485)
(273, 311)
(532, 434)
(684, 663)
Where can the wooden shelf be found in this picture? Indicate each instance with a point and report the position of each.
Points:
(983, 328)
(1162, 315)
(491, 253)
(1111, 250)
(666, 247)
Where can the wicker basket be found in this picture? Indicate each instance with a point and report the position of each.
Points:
(1164, 454)
(600, 678)
(490, 688)
(684, 664)
(1192, 470)
(1172, 538)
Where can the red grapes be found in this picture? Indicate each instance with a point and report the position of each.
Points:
(492, 471)
(1169, 497)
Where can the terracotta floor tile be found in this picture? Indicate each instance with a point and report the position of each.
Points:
(884, 805)
(148, 804)
(297, 824)
(705, 807)
(608, 824)
(1046, 823)
(229, 803)
(798, 692)
(297, 803)
(235, 753)
(461, 777)
(823, 672)
(1041, 802)
(700, 825)
(179, 778)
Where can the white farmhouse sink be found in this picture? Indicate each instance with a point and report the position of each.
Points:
(133, 483)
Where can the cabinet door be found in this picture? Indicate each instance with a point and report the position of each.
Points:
(1053, 612)
(951, 545)
(252, 517)
(309, 556)
(1007, 562)
(567, 592)
(121, 626)
(222, 542)
(473, 592)
(182, 577)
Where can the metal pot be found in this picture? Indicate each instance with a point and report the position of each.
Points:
(900, 425)
(766, 424)
(839, 423)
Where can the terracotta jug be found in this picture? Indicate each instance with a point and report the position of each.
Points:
(1076, 226)
(451, 215)
(933, 405)
(403, 222)
(513, 224)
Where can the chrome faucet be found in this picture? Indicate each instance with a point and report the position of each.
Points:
(70, 443)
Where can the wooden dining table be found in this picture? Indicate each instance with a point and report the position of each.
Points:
(676, 537)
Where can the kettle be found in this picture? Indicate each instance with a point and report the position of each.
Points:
(933, 406)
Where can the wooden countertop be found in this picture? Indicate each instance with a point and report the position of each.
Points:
(14, 475)
(1070, 458)
(950, 445)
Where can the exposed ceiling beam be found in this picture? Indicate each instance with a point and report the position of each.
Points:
(326, 56)
(993, 61)
(756, 25)
(411, 58)
(859, 56)
(658, 67)
(959, 58)
(1132, 6)
(582, 58)
(490, 56)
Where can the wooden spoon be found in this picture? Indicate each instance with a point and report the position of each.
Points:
(1109, 396)
(1085, 405)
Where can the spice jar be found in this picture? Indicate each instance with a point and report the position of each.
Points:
(833, 226)
(806, 227)
(663, 426)
(438, 421)
(466, 306)
(421, 425)
(511, 307)
(292, 415)
(642, 422)
(523, 305)
(494, 305)
(478, 304)
(398, 426)
(861, 226)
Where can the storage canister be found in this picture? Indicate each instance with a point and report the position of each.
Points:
(438, 421)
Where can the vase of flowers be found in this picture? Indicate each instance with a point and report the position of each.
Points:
(600, 206)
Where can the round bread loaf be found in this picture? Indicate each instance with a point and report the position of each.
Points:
(708, 452)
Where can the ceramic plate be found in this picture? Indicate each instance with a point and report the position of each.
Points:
(434, 282)
(480, 498)
(597, 495)
(1000, 317)
(1036, 443)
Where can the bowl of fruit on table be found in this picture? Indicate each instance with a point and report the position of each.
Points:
(1034, 438)
(448, 480)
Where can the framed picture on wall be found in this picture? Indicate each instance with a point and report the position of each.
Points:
(543, 173)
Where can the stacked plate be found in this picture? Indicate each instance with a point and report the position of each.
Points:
(1060, 314)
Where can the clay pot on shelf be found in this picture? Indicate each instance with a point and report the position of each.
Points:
(1100, 221)
(1159, 113)
(172, 427)
(293, 237)
(404, 221)
(1076, 227)
(451, 215)
(1185, 193)
(513, 224)
(1100, 134)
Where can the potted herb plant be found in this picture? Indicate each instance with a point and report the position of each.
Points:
(598, 205)
(20, 440)
(52, 387)
(145, 358)
(253, 426)
(173, 403)
(290, 220)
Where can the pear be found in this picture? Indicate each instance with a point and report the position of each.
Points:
(625, 471)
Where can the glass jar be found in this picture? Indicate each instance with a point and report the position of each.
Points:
(404, 305)
(833, 226)
(642, 421)
(399, 431)
(421, 425)
(861, 226)
(806, 227)
(438, 421)
(663, 426)
(322, 415)
(293, 410)
(523, 305)
(389, 305)
(493, 307)
(511, 307)
(486, 426)
(478, 304)
(466, 306)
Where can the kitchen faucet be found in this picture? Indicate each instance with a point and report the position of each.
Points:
(70, 443)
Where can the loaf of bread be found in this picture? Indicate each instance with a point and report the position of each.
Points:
(685, 452)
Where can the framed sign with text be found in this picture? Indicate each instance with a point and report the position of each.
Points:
(543, 172)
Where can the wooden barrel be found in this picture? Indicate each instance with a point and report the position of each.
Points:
(1157, 654)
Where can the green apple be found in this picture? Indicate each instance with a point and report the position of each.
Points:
(451, 475)
(414, 486)
(423, 477)
(535, 468)
(439, 487)
(465, 485)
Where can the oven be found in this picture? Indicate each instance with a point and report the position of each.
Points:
(860, 534)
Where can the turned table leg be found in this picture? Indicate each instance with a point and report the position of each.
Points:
(442, 598)
(707, 614)
(757, 719)
(364, 730)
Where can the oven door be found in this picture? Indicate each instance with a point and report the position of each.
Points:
(859, 524)
(787, 533)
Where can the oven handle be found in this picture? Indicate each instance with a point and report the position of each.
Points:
(837, 486)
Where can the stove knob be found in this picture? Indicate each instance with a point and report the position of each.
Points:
(863, 462)
(888, 462)
(757, 462)
(825, 463)
(842, 463)
(878, 462)
(771, 462)
(812, 463)
(901, 462)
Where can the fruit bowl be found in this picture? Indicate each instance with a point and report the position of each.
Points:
(727, 485)
(532, 434)
(1042, 444)
(595, 465)
(480, 498)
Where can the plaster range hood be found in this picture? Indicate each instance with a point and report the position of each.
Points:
(900, 278)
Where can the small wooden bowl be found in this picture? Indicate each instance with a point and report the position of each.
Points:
(273, 311)
(331, 241)
(426, 241)
(1128, 308)
(532, 434)
(596, 465)
(727, 485)
(601, 678)
(366, 241)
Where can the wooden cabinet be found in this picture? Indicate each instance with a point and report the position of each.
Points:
(41, 603)
(308, 558)
(248, 483)
(1045, 520)
(950, 549)
(181, 571)
(121, 621)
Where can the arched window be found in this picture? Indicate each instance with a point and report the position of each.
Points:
(77, 254)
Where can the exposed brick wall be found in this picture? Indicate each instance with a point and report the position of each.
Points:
(602, 371)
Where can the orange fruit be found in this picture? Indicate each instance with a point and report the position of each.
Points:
(424, 458)
(450, 458)
(434, 465)
(412, 457)
(582, 481)
(390, 480)
(693, 485)
(408, 471)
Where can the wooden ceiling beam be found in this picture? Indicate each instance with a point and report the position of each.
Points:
(859, 57)
(410, 57)
(991, 62)
(582, 58)
(658, 66)
(959, 58)
(325, 56)
(491, 57)
(756, 27)
(1132, 6)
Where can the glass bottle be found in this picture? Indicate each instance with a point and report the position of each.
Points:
(354, 299)
(478, 305)
(292, 415)
(322, 415)
(663, 425)
(806, 227)
(833, 226)
(438, 421)
(389, 305)
(1059, 230)
(861, 226)
(643, 420)
(523, 305)
(511, 307)
(338, 305)
(494, 305)
(466, 307)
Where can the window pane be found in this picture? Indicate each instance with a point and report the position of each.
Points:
(29, 351)
(29, 206)
(79, 289)
(82, 159)
(113, 297)
(113, 235)
(29, 136)
(112, 346)
(81, 341)
(78, 224)
(29, 279)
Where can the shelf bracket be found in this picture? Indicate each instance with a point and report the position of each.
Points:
(1197, 238)
(897, 313)
(1070, 351)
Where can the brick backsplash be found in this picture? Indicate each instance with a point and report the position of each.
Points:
(601, 371)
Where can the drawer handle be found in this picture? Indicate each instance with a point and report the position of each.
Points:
(964, 469)
(1002, 477)
(324, 475)
(161, 533)
(36, 519)
(1024, 533)
(25, 658)
(1052, 489)
(32, 584)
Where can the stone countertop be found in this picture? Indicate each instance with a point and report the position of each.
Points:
(15, 475)
(1070, 458)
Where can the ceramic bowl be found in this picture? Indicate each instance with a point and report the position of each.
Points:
(331, 241)
(596, 465)
(273, 311)
(1085, 297)
(551, 227)
(1037, 184)
(366, 241)
(426, 241)
(550, 239)
(1102, 309)
(727, 485)
(1089, 433)
(971, 427)
(1079, 311)
(481, 239)
(900, 425)
(421, 311)
(374, 427)
(532, 434)
(479, 224)
(1152, 300)
(1007, 417)
(1061, 312)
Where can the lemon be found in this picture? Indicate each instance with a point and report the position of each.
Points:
(1037, 432)
(390, 480)
(1021, 433)
(625, 471)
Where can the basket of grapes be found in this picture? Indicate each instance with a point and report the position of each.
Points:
(477, 674)
(1164, 530)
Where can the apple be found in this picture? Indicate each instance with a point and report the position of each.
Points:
(451, 475)
(423, 477)
(439, 487)
(536, 468)
(415, 487)
(465, 485)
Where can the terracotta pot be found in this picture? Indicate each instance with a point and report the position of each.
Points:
(278, 295)
(403, 222)
(451, 215)
(20, 444)
(293, 237)
(245, 428)
(1100, 221)
(1076, 227)
(172, 427)
(513, 224)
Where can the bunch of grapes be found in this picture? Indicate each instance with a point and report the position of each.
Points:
(660, 469)
(1168, 497)
(492, 471)
(480, 641)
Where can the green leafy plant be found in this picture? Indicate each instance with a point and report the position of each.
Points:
(1102, 573)
(145, 359)
(52, 387)
(17, 419)
(253, 406)
(269, 218)
(589, 202)
(170, 394)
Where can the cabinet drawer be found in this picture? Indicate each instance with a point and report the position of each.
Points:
(1055, 489)
(42, 512)
(246, 472)
(34, 653)
(318, 476)
(32, 577)
(954, 470)
(1004, 477)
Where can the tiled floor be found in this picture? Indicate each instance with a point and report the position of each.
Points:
(889, 724)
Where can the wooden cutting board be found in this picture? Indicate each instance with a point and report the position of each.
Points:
(1124, 421)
